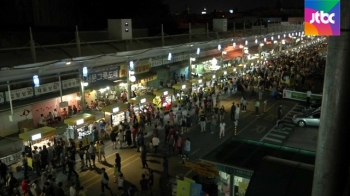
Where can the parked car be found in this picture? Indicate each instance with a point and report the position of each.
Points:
(308, 119)
(312, 107)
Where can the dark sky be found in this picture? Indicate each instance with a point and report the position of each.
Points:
(196, 6)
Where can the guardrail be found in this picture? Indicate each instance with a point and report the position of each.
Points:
(299, 96)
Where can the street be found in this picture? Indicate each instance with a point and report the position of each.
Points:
(250, 126)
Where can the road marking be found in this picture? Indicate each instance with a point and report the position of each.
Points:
(259, 129)
(273, 140)
(270, 117)
(194, 152)
(247, 113)
(254, 120)
(280, 136)
(283, 132)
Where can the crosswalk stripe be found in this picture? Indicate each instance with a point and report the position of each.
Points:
(280, 136)
(283, 132)
(273, 140)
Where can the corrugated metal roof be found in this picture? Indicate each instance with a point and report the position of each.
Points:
(20, 56)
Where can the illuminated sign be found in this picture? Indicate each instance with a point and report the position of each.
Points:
(115, 110)
(80, 122)
(36, 136)
(143, 100)
(165, 93)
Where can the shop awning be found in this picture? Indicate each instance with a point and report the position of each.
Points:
(115, 108)
(37, 134)
(164, 91)
(181, 86)
(177, 66)
(143, 99)
(73, 121)
(196, 81)
(208, 76)
(100, 84)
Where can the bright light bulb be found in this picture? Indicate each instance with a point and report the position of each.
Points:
(169, 56)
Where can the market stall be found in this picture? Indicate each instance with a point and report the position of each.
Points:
(197, 84)
(80, 128)
(141, 102)
(182, 91)
(164, 98)
(38, 137)
(115, 113)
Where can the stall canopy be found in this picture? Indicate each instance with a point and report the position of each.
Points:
(115, 108)
(143, 98)
(208, 76)
(74, 119)
(38, 133)
(164, 92)
(143, 77)
(196, 81)
(181, 86)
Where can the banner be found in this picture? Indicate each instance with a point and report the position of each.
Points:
(141, 67)
(71, 83)
(47, 88)
(183, 188)
(299, 96)
(18, 94)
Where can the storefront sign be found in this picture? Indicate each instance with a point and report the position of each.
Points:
(107, 73)
(36, 136)
(156, 62)
(143, 100)
(300, 96)
(151, 78)
(71, 83)
(2, 98)
(47, 88)
(166, 61)
(178, 57)
(140, 68)
(80, 122)
(21, 93)
(116, 110)
(239, 172)
(204, 169)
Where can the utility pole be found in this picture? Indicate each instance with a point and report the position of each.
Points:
(332, 160)
(162, 34)
(77, 41)
(32, 45)
(189, 32)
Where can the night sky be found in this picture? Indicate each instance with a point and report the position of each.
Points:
(196, 6)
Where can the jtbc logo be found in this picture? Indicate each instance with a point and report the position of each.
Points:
(322, 18)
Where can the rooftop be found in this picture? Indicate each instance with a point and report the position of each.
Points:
(248, 154)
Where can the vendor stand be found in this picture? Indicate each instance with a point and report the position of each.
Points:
(80, 128)
(164, 98)
(182, 91)
(38, 138)
(140, 102)
(115, 113)
(197, 84)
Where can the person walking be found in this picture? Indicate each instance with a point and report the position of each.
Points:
(150, 180)
(113, 137)
(118, 162)
(244, 104)
(92, 152)
(102, 151)
(171, 144)
(203, 121)
(143, 157)
(257, 106)
(308, 97)
(104, 181)
(222, 113)
(233, 111)
(238, 109)
(222, 129)
(144, 185)
(155, 143)
(279, 112)
(213, 124)
(165, 165)
(187, 149)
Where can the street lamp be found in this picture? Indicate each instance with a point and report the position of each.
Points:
(36, 81)
(234, 44)
(198, 51)
(260, 49)
(256, 41)
(219, 47)
(169, 56)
